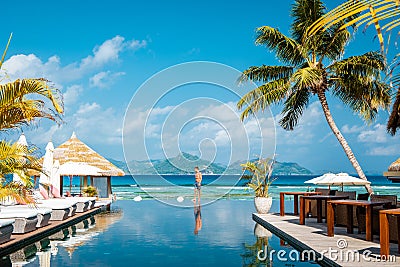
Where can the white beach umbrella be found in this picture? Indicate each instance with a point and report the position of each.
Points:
(319, 178)
(55, 179)
(47, 166)
(342, 179)
(22, 141)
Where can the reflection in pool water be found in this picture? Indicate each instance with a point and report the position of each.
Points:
(149, 233)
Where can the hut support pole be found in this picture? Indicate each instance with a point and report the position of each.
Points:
(85, 181)
(61, 185)
(109, 190)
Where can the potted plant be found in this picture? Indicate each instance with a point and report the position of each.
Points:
(260, 181)
(90, 191)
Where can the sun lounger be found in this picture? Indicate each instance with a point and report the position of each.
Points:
(6, 229)
(92, 201)
(43, 214)
(25, 221)
(60, 211)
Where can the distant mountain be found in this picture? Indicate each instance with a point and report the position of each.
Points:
(184, 163)
(280, 168)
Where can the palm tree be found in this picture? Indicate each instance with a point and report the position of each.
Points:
(314, 67)
(21, 103)
(368, 12)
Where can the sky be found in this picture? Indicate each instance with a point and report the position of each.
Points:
(100, 53)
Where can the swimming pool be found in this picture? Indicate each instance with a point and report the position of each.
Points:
(150, 233)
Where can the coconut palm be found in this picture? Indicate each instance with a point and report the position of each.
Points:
(369, 12)
(314, 67)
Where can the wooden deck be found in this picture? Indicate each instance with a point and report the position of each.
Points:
(313, 237)
(19, 241)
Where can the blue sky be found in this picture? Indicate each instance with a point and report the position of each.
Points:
(100, 52)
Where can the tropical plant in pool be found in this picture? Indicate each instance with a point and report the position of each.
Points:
(90, 191)
(260, 181)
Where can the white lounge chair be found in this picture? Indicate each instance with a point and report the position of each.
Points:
(25, 221)
(59, 211)
(6, 229)
(43, 214)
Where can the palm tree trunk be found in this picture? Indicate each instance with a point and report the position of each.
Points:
(341, 139)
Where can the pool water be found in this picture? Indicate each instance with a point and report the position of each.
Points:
(150, 233)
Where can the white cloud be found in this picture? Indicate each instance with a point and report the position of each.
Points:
(109, 51)
(72, 94)
(392, 150)
(104, 79)
(210, 127)
(305, 132)
(347, 129)
(377, 134)
(28, 66)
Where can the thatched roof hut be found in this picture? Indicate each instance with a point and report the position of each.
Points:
(77, 159)
(74, 150)
(393, 172)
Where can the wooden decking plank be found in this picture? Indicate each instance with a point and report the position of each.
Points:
(313, 236)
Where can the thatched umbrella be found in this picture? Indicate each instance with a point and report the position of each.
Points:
(393, 172)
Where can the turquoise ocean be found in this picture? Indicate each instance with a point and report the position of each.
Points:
(219, 186)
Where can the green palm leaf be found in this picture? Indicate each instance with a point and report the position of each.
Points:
(293, 108)
(18, 106)
(286, 49)
(265, 73)
(263, 96)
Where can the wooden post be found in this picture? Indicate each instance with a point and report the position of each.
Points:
(85, 181)
(384, 234)
(296, 204)
(302, 211)
(61, 185)
(368, 223)
(282, 203)
(70, 183)
(109, 190)
(349, 209)
(330, 219)
(319, 210)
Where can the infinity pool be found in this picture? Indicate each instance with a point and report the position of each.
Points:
(150, 233)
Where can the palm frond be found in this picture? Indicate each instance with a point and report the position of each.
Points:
(5, 51)
(364, 95)
(17, 192)
(307, 78)
(19, 159)
(368, 64)
(18, 106)
(293, 108)
(305, 13)
(372, 12)
(263, 96)
(286, 49)
(265, 73)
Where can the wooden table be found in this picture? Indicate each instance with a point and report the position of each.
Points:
(319, 199)
(384, 230)
(295, 200)
(330, 215)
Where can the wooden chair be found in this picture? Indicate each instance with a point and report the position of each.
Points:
(360, 213)
(341, 210)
